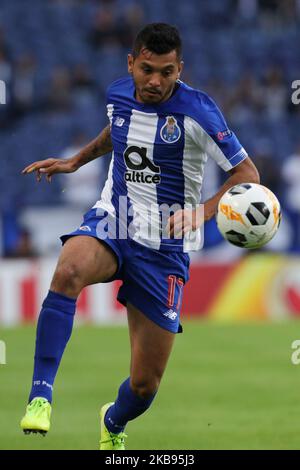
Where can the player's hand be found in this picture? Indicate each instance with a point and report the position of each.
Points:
(49, 167)
(182, 222)
(210, 208)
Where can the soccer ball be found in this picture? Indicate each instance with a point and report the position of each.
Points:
(248, 215)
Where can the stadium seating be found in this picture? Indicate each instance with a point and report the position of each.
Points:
(218, 44)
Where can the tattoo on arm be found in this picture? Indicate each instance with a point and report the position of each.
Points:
(101, 145)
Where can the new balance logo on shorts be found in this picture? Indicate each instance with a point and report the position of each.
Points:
(170, 314)
(119, 121)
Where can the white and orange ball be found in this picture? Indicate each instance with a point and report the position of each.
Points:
(248, 215)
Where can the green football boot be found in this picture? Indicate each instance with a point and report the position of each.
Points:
(109, 440)
(37, 417)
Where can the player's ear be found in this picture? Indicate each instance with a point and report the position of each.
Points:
(130, 63)
(180, 68)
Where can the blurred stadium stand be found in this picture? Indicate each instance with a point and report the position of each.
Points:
(58, 56)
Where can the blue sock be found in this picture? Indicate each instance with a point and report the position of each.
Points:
(127, 406)
(54, 329)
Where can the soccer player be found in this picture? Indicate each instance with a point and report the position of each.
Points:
(160, 132)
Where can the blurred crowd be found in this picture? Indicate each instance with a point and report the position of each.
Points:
(58, 56)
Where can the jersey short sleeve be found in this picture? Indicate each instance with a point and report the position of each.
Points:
(209, 131)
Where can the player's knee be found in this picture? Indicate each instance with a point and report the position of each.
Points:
(145, 387)
(67, 279)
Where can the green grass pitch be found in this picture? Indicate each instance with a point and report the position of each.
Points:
(226, 387)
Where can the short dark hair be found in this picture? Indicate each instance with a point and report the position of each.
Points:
(160, 38)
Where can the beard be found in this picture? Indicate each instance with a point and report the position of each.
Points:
(150, 98)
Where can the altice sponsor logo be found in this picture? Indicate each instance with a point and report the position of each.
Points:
(140, 169)
(2, 92)
(2, 353)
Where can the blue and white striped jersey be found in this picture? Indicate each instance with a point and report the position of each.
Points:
(159, 153)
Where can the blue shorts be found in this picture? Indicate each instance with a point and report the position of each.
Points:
(153, 280)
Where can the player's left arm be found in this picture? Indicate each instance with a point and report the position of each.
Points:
(244, 172)
(209, 131)
(186, 220)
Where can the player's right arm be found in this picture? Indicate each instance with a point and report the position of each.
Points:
(101, 145)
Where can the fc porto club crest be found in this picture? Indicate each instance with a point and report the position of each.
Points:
(170, 132)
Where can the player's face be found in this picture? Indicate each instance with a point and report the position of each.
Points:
(154, 75)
